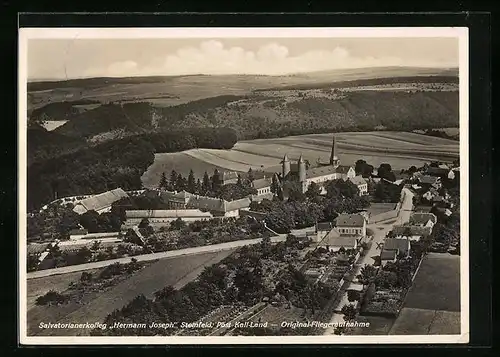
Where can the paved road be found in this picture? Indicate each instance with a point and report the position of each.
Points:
(380, 230)
(153, 256)
(161, 255)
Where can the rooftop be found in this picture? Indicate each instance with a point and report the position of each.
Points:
(102, 200)
(334, 239)
(343, 169)
(422, 218)
(324, 226)
(426, 179)
(350, 220)
(261, 183)
(401, 245)
(358, 180)
(388, 254)
(182, 213)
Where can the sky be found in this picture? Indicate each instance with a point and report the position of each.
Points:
(54, 59)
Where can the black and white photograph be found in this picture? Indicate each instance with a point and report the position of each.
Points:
(243, 185)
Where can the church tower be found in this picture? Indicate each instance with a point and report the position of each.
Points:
(334, 160)
(285, 166)
(302, 169)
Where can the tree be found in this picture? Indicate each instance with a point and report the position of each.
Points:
(239, 182)
(178, 224)
(163, 181)
(349, 312)
(385, 172)
(206, 185)
(367, 274)
(84, 254)
(250, 175)
(86, 277)
(313, 191)
(144, 223)
(33, 261)
(216, 181)
(274, 185)
(181, 183)
(191, 182)
(353, 295)
(198, 186)
(173, 179)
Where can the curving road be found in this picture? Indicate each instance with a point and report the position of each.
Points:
(380, 230)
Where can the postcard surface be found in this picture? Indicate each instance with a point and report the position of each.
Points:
(243, 186)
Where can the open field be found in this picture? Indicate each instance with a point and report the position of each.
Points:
(426, 322)
(432, 305)
(174, 90)
(400, 149)
(40, 286)
(175, 271)
(437, 285)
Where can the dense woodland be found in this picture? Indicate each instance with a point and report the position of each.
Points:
(118, 163)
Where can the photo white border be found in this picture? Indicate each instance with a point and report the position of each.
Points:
(461, 33)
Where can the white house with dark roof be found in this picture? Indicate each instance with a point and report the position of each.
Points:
(360, 183)
(351, 224)
(100, 203)
(398, 246)
(263, 186)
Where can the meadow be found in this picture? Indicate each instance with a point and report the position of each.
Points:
(169, 271)
(432, 305)
(400, 149)
(175, 90)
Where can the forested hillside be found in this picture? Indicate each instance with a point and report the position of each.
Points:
(117, 163)
(261, 116)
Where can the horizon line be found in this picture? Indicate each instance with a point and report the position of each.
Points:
(41, 80)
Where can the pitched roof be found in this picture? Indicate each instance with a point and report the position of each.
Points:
(388, 254)
(414, 230)
(343, 169)
(358, 180)
(102, 200)
(261, 183)
(206, 203)
(437, 171)
(324, 226)
(428, 179)
(422, 218)
(350, 220)
(229, 175)
(334, 239)
(182, 213)
(35, 248)
(401, 245)
(320, 171)
(237, 204)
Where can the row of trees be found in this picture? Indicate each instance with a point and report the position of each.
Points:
(212, 186)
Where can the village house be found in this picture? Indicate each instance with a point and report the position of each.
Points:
(263, 187)
(228, 177)
(393, 248)
(351, 224)
(322, 230)
(361, 184)
(334, 241)
(423, 220)
(441, 172)
(100, 203)
(426, 182)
